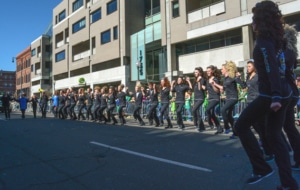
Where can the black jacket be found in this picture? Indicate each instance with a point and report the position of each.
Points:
(138, 98)
(271, 71)
(5, 100)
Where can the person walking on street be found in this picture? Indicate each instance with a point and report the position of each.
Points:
(44, 104)
(165, 88)
(23, 100)
(73, 101)
(251, 84)
(230, 88)
(121, 96)
(180, 88)
(55, 102)
(111, 104)
(96, 103)
(199, 96)
(103, 104)
(275, 95)
(6, 104)
(61, 104)
(153, 99)
(291, 54)
(67, 105)
(81, 103)
(89, 104)
(213, 97)
(34, 102)
(138, 95)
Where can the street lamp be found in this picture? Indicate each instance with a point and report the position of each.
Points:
(138, 65)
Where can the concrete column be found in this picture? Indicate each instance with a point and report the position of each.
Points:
(168, 39)
(248, 43)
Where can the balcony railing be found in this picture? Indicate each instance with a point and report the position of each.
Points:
(59, 44)
(82, 55)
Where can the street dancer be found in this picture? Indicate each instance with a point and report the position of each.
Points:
(165, 88)
(180, 88)
(213, 97)
(112, 104)
(273, 100)
(199, 96)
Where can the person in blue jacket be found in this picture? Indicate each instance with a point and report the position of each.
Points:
(23, 100)
(55, 102)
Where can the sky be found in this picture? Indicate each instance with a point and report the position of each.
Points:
(22, 22)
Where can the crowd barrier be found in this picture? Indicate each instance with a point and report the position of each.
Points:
(187, 113)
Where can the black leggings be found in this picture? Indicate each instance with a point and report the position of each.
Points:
(226, 111)
(211, 115)
(179, 109)
(89, 111)
(275, 120)
(196, 113)
(164, 111)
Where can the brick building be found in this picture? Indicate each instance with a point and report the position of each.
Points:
(7, 81)
(23, 73)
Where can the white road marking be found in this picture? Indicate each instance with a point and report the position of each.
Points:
(153, 157)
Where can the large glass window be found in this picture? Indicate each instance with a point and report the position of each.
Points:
(233, 37)
(152, 7)
(193, 5)
(77, 4)
(33, 52)
(105, 37)
(175, 9)
(115, 32)
(217, 40)
(156, 64)
(111, 7)
(60, 56)
(228, 38)
(96, 15)
(62, 15)
(79, 25)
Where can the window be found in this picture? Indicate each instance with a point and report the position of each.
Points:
(32, 67)
(62, 15)
(105, 37)
(33, 52)
(79, 25)
(228, 38)
(48, 48)
(60, 56)
(205, 3)
(96, 15)
(115, 32)
(175, 9)
(152, 7)
(77, 4)
(217, 40)
(233, 37)
(111, 7)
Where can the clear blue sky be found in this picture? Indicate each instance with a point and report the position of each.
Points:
(21, 23)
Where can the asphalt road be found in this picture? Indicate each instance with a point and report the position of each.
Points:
(52, 154)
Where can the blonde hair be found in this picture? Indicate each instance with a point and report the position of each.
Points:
(138, 86)
(231, 68)
(290, 34)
